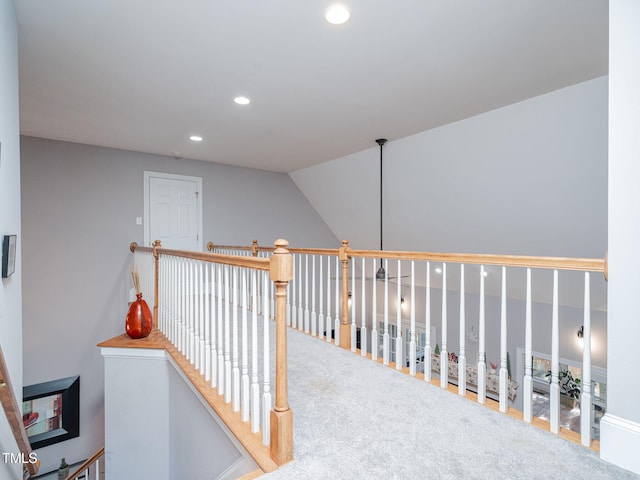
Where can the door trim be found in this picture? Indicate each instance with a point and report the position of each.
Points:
(147, 206)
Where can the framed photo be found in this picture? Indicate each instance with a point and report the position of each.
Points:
(8, 255)
(51, 411)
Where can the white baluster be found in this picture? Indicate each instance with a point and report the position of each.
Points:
(227, 336)
(412, 341)
(235, 372)
(399, 342)
(329, 321)
(266, 394)
(293, 284)
(385, 335)
(207, 322)
(197, 292)
(503, 344)
(255, 388)
(444, 356)
(363, 318)
(482, 361)
(374, 313)
(586, 408)
(314, 316)
(212, 327)
(527, 390)
(301, 316)
(191, 314)
(289, 311)
(462, 358)
(554, 389)
(338, 316)
(182, 329)
(307, 315)
(221, 325)
(427, 325)
(352, 305)
(244, 379)
(321, 329)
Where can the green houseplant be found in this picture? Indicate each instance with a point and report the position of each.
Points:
(569, 386)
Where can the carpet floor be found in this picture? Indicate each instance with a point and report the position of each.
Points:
(357, 419)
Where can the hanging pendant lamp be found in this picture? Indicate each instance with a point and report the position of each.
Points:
(381, 274)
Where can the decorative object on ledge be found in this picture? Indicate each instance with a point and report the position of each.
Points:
(43, 407)
(9, 255)
(492, 379)
(139, 321)
(63, 471)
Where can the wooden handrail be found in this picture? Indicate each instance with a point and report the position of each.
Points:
(90, 461)
(311, 251)
(14, 415)
(560, 263)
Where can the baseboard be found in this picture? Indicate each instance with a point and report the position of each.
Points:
(620, 442)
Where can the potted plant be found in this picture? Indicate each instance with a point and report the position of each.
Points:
(569, 387)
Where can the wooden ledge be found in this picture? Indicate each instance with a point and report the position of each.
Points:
(156, 340)
(252, 442)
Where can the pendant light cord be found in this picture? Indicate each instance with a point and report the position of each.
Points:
(381, 142)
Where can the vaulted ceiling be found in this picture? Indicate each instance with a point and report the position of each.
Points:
(144, 75)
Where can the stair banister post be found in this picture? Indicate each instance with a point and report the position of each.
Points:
(210, 246)
(254, 248)
(281, 272)
(345, 327)
(156, 255)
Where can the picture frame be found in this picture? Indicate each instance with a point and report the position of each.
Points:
(9, 244)
(51, 411)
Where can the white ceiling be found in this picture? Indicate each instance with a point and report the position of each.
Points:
(143, 75)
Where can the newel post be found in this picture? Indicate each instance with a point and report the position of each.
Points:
(281, 271)
(254, 248)
(345, 328)
(156, 256)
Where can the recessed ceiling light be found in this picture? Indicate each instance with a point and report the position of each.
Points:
(337, 14)
(195, 138)
(242, 100)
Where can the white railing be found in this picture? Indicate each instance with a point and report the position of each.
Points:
(395, 315)
(216, 310)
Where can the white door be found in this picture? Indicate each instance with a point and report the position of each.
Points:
(173, 210)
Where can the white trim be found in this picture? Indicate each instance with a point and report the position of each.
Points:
(620, 442)
(146, 206)
(119, 352)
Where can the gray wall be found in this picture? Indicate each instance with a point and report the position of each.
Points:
(10, 288)
(79, 209)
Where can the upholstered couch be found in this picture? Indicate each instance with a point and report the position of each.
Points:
(492, 379)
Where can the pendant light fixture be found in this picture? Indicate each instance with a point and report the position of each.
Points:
(381, 274)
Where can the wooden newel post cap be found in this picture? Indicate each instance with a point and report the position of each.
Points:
(133, 246)
(254, 248)
(210, 246)
(343, 254)
(156, 245)
(281, 266)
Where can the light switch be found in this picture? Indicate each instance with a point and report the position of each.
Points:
(138, 220)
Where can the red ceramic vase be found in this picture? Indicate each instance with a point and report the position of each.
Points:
(139, 320)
